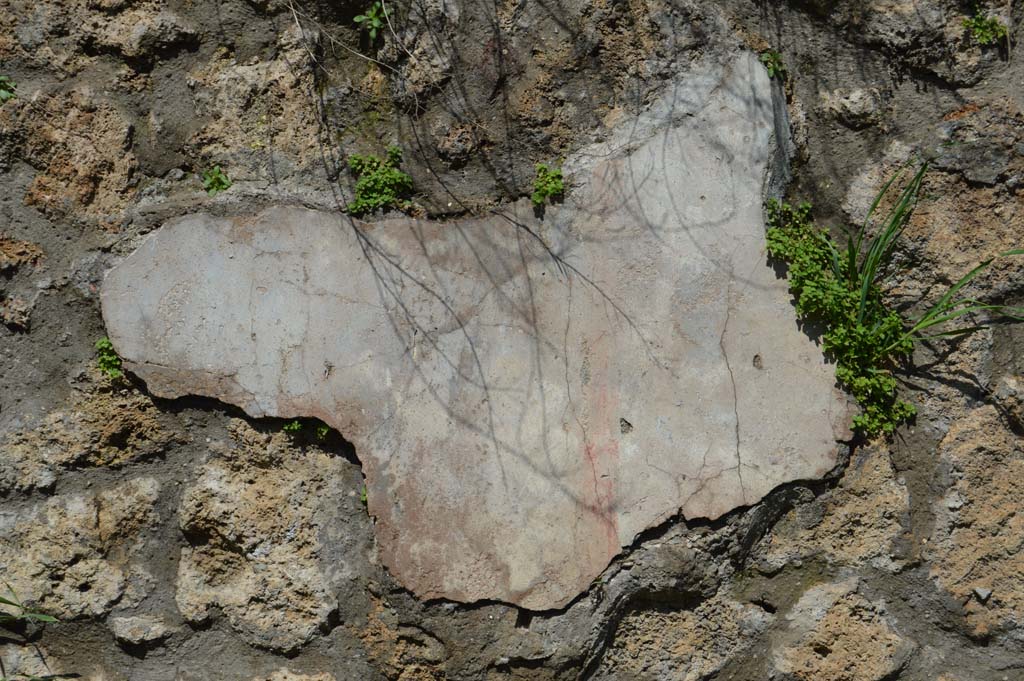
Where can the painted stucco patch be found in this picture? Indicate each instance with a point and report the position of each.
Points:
(526, 395)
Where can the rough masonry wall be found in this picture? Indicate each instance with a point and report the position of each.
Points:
(180, 539)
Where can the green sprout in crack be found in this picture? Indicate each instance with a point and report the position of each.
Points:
(547, 184)
(7, 88)
(293, 427)
(379, 183)
(374, 19)
(215, 181)
(772, 61)
(322, 431)
(986, 30)
(107, 358)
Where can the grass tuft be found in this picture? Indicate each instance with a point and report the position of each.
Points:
(838, 288)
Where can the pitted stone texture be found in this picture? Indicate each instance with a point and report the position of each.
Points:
(855, 523)
(684, 644)
(253, 519)
(833, 632)
(71, 556)
(106, 425)
(979, 530)
(526, 396)
(139, 630)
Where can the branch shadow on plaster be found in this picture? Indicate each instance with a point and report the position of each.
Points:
(385, 261)
(387, 269)
(391, 276)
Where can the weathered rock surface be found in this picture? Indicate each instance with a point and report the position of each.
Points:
(71, 556)
(979, 537)
(251, 521)
(836, 633)
(139, 630)
(858, 522)
(288, 675)
(402, 652)
(108, 425)
(580, 378)
(14, 254)
(79, 176)
(683, 645)
(28, 662)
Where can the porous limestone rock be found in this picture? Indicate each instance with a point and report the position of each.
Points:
(28, 661)
(857, 109)
(14, 254)
(855, 523)
(70, 556)
(83, 177)
(833, 632)
(107, 425)
(243, 104)
(526, 395)
(405, 653)
(978, 543)
(684, 644)
(288, 675)
(254, 552)
(140, 629)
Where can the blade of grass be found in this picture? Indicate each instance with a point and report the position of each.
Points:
(881, 245)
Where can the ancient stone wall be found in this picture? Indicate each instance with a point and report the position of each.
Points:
(177, 530)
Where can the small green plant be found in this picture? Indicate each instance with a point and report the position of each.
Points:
(362, 496)
(21, 611)
(215, 181)
(374, 19)
(107, 359)
(838, 288)
(293, 427)
(772, 61)
(379, 182)
(322, 431)
(986, 30)
(547, 184)
(7, 88)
